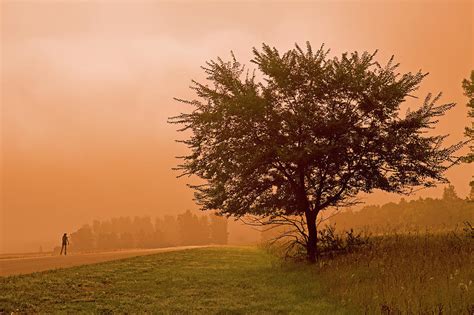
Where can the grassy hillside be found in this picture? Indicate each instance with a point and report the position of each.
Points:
(229, 280)
(414, 274)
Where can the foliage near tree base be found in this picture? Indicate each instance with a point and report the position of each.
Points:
(330, 242)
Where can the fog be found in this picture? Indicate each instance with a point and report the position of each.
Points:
(87, 88)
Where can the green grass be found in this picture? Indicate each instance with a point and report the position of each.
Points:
(396, 274)
(211, 280)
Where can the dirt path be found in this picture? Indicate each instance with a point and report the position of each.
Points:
(28, 264)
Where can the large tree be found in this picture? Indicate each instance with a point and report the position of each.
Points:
(307, 132)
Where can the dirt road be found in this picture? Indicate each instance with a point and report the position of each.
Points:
(17, 264)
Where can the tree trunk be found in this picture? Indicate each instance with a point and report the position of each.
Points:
(311, 246)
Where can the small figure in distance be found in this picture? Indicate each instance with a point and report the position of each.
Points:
(65, 243)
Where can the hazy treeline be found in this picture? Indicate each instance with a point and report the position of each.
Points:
(446, 213)
(141, 232)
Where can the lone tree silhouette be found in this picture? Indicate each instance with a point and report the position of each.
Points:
(309, 132)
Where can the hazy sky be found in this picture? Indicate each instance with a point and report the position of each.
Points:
(87, 88)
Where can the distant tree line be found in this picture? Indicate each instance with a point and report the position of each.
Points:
(446, 213)
(141, 232)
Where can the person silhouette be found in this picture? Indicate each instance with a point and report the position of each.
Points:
(65, 243)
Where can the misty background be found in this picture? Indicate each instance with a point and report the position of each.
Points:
(87, 87)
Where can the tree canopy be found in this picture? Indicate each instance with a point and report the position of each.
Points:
(306, 132)
(468, 86)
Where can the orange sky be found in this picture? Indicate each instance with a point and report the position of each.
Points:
(87, 88)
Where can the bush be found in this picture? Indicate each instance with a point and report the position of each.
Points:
(330, 242)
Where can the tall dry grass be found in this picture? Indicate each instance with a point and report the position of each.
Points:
(420, 273)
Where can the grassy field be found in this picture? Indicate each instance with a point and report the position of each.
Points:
(214, 280)
(405, 274)
(416, 274)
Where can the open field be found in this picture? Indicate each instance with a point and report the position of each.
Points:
(430, 274)
(235, 280)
